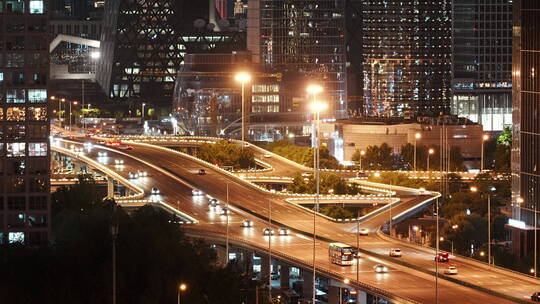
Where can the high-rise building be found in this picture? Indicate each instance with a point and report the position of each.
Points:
(407, 49)
(142, 52)
(303, 37)
(24, 122)
(482, 59)
(353, 35)
(526, 131)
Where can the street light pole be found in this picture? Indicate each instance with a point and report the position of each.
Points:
(142, 114)
(362, 153)
(430, 151)
(270, 251)
(484, 138)
(227, 225)
(489, 227)
(243, 77)
(416, 137)
(437, 253)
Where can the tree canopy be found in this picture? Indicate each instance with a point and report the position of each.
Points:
(224, 153)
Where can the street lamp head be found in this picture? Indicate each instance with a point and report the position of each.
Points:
(455, 226)
(291, 135)
(63, 99)
(346, 281)
(182, 287)
(485, 137)
(441, 239)
(482, 253)
(415, 228)
(417, 135)
(53, 98)
(431, 151)
(318, 107)
(242, 77)
(314, 89)
(519, 200)
(75, 102)
(474, 189)
(362, 152)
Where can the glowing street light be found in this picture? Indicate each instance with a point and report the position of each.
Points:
(182, 287)
(243, 78)
(362, 154)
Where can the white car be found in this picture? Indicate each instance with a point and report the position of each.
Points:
(380, 268)
(196, 192)
(247, 223)
(267, 155)
(283, 231)
(268, 231)
(118, 162)
(102, 154)
(142, 173)
(451, 270)
(395, 252)
(224, 211)
(214, 202)
(133, 175)
(363, 231)
(155, 191)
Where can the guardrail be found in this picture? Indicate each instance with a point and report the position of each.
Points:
(463, 259)
(215, 236)
(139, 192)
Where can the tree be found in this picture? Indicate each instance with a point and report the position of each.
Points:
(224, 153)
(336, 212)
(505, 139)
(378, 157)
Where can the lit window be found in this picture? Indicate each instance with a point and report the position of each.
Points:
(15, 96)
(16, 149)
(15, 114)
(37, 95)
(16, 237)
(37, 149)
(37, 113)
(36, 7)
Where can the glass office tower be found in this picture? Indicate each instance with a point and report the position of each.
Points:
(407, 49)
(526, 131)
(303, 37)
(24, 122)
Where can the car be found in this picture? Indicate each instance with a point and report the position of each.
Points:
(247, 223)
(536, 296)
(442, 257)
(451, 270)
(380, 268)
(133, 175)
(274, 276)
(101, 142)
(196, 192)
(214, 202)
(202, 172)
(267, 155)
(87, 145)
(356, 254)
(267, 231)
(363, 231)
(102, 154)
(155, 191)
(283, 231)
(224, 211)
(142, 173)
(118, 162)
(246, 144)
(126, 147)
(395, 252)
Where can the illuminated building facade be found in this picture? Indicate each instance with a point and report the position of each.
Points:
(407, 50)
(482, 55)
(24, 122)
(526, 129)
(143, 45)
(304, 37)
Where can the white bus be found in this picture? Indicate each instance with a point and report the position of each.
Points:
(341, 254)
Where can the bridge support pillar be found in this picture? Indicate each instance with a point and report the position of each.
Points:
(334, 295)
(284, 274)
(307, 288)
(265, 268)
(110, 188)
(361, 297)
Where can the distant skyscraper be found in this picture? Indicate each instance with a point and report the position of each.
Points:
(353, 35)
(482, 55)
(407, 57)
(303, 37)
(24, 122)
(526, 131)
(142, 53)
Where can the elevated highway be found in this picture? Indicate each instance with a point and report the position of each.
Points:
(410, 278)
